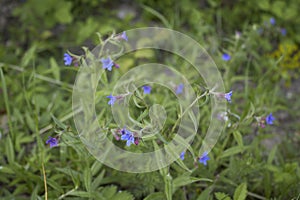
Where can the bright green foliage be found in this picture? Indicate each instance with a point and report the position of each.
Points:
(248, 162)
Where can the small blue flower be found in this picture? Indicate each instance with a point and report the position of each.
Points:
(204, 158)
(283, 31)
(107, 63)
(226, 57)
(182, 155)
(272, 21)
(270, 119)
(124, 36)
(179, 88)
(227, 96)
(52, 141)
(112, 100)
(147, 89)
(68, 59)
(127, 135)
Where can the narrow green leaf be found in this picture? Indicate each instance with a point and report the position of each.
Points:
(240, 192)
(205, 194)
(58, 122)
(55, 69)
(158, 15)
(9, 149)
(155, 196)
(54, 185)
(87, 176)
(186, 179)
(238, 138)
(232, 151)
(97, 181)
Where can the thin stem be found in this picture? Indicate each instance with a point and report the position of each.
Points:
(45, 182)
(41, 77)
(195, 101)
(6, 102)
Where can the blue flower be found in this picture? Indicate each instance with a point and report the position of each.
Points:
(283, 31)
(272, 21)
(124, 36)
(179, 88)
(127, 135)
(204, 158)
(68, 59)
(147, 89)
(182, 155)
(270, 119)
(112, 100)
(107, 63)
(52, 141)
(226, 57)
(227, 96)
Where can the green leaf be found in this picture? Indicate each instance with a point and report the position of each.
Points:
(87, 176)
(97, 181)
(222, 196)
(55, 69)
(9, 149)
(264, 5)
(278, 7)
(55, 185)
(63, 12)
(238, 138)
(58, 122)
(123, 195)
(186, 179)
(155, 196)
(158, 15)
(80, 194)
(205, 194)
(29, 55)
(232, 151)
(240, 192)
(108, 192)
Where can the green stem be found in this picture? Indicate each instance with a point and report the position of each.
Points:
(6, 102)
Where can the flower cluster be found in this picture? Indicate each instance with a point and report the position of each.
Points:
(107, 63)
(126, 135)
(262, 121)
(272, 24)
(202, 159)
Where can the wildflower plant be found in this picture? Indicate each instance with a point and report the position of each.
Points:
(147, 131)
(149, 100)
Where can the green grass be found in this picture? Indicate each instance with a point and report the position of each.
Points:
(247, 162)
